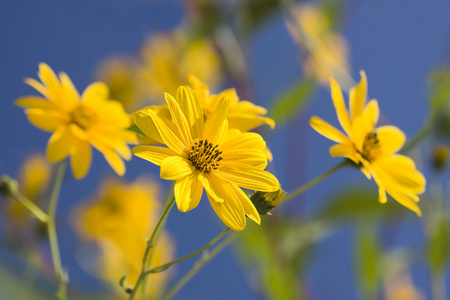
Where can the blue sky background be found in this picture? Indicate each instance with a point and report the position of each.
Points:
(397, 43)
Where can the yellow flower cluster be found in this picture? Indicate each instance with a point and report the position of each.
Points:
(117, 219)
(163, 65)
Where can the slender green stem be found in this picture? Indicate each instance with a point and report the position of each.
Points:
(198, 265)
(420, 135)
(51, 227)
(313, 182)
(167, 265)
(33, 208)
(150, 244)
(169, 197)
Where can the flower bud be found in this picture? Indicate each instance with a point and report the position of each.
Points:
(8, 186)
(266, 201)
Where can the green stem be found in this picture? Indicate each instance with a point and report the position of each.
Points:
(33, 208)
(418, 137)
(313, 182)
(169, 197)
(150, 244)
(51, 227)
(198, 265)
(167, 265)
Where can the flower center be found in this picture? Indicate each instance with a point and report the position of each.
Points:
(83, 117)
(371, 147)
(204, 156)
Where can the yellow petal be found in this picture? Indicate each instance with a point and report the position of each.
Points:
(327, 130)
(47, 120)
(188, 192)
(60, 145)
(111, 157)
(147, 126)
(167, 134)
(80, 160)
(175, 167)
(339, 105)
(250, 178)
(249, 157)
(228, 207)
(153, 154)
(35, 102)
(190, 105)
(371, 114)
(96, 92)
(235, 140)
(344, 150)
(246, 122)
(215, 123)
(390, 138)
(249, 208)
(37, 86)
(180, 120)
(49, 79)
(405, 201)
(399, 172)
(70, 92)
(358, 96)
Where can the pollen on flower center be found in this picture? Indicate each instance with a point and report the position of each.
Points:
(371, 147)
(204, 156)
(83, 116)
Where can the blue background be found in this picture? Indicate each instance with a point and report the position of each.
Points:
(397, 43)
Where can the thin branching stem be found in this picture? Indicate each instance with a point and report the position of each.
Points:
(313, 182)
(198, 265)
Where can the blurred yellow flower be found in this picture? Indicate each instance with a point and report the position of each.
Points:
(163, 65)
(34, 179)
(401, 287)
(206, 154)
(327, 51)
(372, 149)
(78, 122)
(117, 218)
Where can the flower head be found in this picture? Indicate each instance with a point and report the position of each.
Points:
(206, 154)
(163, 64)
(372, 148)
(78, 122)
(116, 219)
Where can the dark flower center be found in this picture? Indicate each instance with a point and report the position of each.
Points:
(83, 117)
(204, 156)
(371, 147)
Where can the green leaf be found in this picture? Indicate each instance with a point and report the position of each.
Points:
(292, 101)
(439, 244)
(439, 87)
(368, 260)
(361, 203)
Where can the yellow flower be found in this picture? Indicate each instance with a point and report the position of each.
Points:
(372, 149)
(117, 219)
(78, 122)
(242, 115)
(163, 64)
(206, 154)
(327, 51)
(34, 180)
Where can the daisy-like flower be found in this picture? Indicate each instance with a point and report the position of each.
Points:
(78, 122)
(206, 154)
(372, 148)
